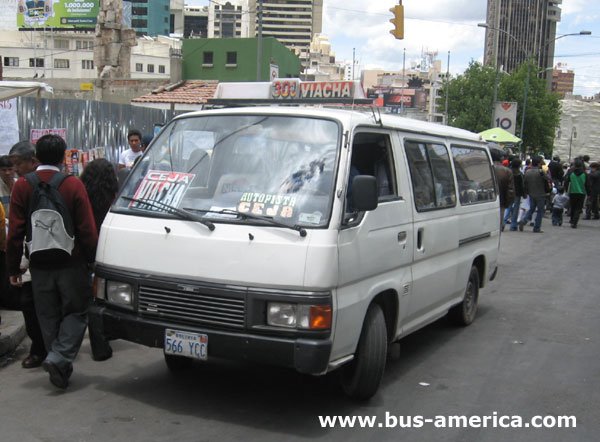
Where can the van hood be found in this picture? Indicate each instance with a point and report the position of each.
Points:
(239, 254)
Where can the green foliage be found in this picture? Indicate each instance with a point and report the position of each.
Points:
(470, 98)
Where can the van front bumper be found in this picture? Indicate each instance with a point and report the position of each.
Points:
(310, 356)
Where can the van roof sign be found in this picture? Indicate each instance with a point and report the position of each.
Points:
(290, 91)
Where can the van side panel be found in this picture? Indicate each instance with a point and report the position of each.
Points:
(372, 259)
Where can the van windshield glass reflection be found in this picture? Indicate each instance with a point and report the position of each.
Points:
(279, 167)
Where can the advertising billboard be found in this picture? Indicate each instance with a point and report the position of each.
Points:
(57, 13)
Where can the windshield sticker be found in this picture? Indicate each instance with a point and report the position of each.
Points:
(162, 187)
(310, 218)
(267, 204)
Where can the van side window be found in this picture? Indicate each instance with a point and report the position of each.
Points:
(431, 175)
(474, 175)
(372, 155)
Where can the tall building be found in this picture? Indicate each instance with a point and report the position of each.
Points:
(151, 17)
(229, 19)
(195, 22)
(293, 22)
(527, 29)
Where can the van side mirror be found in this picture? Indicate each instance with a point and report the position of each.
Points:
(364, 193)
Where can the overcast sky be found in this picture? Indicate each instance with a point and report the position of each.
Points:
(449, 25)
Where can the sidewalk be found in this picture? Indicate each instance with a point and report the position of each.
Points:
(12, 331)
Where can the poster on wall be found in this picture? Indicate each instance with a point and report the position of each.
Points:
(9, 126)
(57, 13)
(8, 15)
(36, 134)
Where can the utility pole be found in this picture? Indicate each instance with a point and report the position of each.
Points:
(403, 79)
(447, 91)
(259, 47)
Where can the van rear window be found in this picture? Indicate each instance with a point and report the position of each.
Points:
(474, 175)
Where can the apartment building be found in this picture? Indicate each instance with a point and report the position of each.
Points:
(519, 29)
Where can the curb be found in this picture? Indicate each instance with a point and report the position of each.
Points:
(12, 331)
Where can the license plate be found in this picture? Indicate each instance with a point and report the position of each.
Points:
(187, 344)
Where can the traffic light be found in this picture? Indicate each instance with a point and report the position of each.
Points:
(398, 21)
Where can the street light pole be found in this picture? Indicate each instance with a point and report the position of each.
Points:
(527, 59)
(508, 34)
(573, 135)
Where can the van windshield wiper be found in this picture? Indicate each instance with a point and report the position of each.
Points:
(268, 219)
(182, 213)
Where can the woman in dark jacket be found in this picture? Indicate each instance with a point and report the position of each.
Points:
(100, 181)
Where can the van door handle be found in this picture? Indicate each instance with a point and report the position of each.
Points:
(420, 239)
(402, 239)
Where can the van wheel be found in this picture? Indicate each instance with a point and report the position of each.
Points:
(361, 378)
(465, 312)
(178, 363)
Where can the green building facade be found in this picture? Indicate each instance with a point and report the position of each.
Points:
(234, 59)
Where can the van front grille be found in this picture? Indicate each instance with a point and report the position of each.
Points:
(193, 306)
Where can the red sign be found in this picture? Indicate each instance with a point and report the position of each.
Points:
(36, 134)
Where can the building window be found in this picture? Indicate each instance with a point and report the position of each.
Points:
(207, 58)
(139, 11)
(61, 44)
(150, 68)
(61, 63)
(36, 62)
(166, 20)
(161, 69)
(87, 64)
(83, 44)
(11, 61)
(231, 59)
(139, 23)
(139, 67)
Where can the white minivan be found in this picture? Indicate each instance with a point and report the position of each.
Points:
(303, 237)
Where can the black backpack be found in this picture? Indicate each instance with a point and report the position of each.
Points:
(50, 235)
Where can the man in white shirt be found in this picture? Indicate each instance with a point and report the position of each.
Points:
(127, 157)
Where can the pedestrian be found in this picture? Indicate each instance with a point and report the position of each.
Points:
(61, 288)
(594, 192)
(559, 203)
(536, 187)
(100, 181)
(23, 160)
(556, 171)
(515, 167)
(101, 184)
(504, 178)
(7, 180)
(128, 156)
(577, 183)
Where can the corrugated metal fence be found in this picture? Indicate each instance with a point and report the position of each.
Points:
(89, 124)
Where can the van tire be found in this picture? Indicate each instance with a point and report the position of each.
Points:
(176, 364)
(465, 312)
(360, 379)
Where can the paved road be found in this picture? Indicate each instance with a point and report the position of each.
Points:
(532, 351)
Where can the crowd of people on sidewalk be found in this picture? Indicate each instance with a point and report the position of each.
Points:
(52, 284)
(528, 190)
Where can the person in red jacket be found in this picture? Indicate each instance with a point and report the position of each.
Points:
(61, 291)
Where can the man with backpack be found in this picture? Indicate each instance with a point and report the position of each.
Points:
(52, 212)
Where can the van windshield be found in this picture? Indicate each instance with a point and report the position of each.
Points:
(274, 167)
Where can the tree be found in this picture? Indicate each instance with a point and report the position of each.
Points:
(542, 115)
(470, 97)
(471, 94)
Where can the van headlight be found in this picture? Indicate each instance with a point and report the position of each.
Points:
(299, 316)
(119, 293)
(99, 287)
